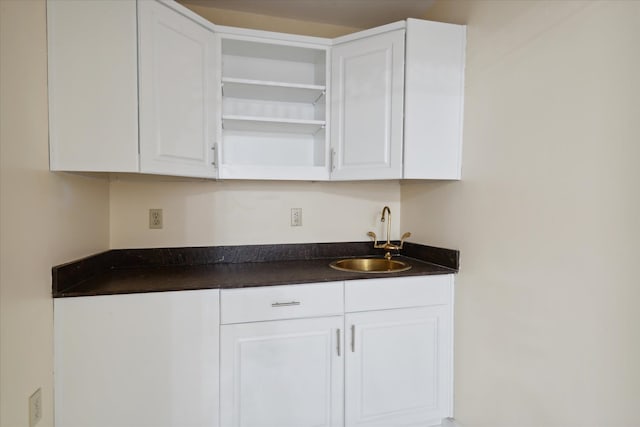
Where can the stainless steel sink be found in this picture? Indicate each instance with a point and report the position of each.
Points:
(370, 265)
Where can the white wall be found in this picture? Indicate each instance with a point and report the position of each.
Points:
(45, 218)
(208, 213)
(547, 216)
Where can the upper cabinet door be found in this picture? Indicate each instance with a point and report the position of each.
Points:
(434, 97)
(367, 81)
(178, 77)
(93, 85)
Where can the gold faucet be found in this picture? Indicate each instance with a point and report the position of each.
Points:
(388, 246)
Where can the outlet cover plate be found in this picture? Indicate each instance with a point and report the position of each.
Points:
(155, 219)
(296, 217)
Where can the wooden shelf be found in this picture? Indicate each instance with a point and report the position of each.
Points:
(268, 124)
(272, 91)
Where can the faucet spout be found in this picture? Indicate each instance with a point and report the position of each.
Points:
(388, 246)
(388, 211)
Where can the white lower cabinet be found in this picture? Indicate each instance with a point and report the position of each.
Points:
(137, 360)
(385, 363)
(361, 353)
(284, 373)
(281, 356)
(394, 367)
(400, 352)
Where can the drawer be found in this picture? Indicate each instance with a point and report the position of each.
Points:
(397, 292)
(281, 302)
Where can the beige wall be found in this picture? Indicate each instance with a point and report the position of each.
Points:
(547, 216)
(206, 213)
(45, 218)
(254, 21)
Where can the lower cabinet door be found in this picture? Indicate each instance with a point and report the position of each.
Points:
(398, 367)
(286, 373)
(137, 360)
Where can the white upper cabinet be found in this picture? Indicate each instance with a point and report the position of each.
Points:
(274, 108)
(177, 93)
(95, 99)
(155, 88)
(434, 97)
(93, 85)
(366, 114)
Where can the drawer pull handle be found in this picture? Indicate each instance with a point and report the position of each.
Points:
(338, 341)
(285, 304)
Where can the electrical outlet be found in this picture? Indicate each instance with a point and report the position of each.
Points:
(155, 218)
(296, 217)
(35, 408)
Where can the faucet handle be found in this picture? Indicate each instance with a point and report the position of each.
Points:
(404, 236)
(375, 238)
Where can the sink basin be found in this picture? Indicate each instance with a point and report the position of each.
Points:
(370, 265)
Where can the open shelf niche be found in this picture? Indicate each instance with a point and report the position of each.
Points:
(274, 110)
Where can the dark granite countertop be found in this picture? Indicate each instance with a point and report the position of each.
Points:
(172, 269)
